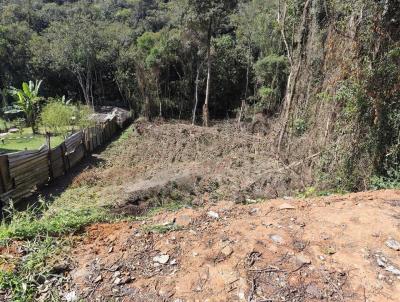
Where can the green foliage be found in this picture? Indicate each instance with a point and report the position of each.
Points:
(27, 99)
(391, 181)
(299, 126)
(22, 283)
(57, 117)
(82, 116)
(271, 71)
(73, 210)
(271, 66)
(3, 125)
(311, 192)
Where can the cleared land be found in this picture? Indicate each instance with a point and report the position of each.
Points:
(171, 212)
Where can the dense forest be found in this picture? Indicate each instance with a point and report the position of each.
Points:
(324, 74)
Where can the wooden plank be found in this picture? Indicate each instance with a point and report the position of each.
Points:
(40, 162)
(76, 156)
(20, 160)
(6, 181)
(32, 174)
(56, 153)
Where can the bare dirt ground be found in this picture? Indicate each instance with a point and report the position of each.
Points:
(324, 249)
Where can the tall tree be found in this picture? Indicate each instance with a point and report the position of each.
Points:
(208, 18)
(74, 46)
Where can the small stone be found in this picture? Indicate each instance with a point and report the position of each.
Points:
(302, 259)
(227, 251)
(173, 262)
(98, 279)
(329, 250)
(393, 244)
(195, 254)
(393, 270)
(213, 214)
(286, 206)
(71, 297)
(254, 211)
(277, 239)
(384, 263)
(110, 250)
(162, 259)
(117, 281)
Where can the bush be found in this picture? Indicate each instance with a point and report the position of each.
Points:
(57, 117)
(392, 181)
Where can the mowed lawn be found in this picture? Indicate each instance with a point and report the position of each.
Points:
(14, 142)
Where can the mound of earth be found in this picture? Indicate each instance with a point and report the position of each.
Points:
(338, 248)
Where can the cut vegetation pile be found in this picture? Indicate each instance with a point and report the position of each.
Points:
(193, 163)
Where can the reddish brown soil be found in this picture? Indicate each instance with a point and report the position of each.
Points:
(10, 255)
(328, 251)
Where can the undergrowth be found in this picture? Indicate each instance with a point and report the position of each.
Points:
(70, 212)
(391, 181)
(20, 280)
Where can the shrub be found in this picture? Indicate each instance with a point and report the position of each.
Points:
(57, 117)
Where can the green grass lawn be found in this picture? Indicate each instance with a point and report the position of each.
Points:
(26, 140)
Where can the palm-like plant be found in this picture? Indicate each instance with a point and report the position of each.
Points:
(26, 99)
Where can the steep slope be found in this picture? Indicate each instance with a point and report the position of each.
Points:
(342, 94)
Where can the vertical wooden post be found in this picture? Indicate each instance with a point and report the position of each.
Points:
(49, 162)
(64, 159)
(85, 151)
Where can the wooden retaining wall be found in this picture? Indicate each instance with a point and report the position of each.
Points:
(22, 172)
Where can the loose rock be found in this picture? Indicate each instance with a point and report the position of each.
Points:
(277, 239)
(213, 214)
(286, 206)
(71, 297)
(227, 251)
(302, 260)
(162, 259)
(387, 265)
(393, 244)
(98, 279)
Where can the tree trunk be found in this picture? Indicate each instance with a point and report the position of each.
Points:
(196, 95)
(292, 79)
(206, 116)
(246, 89)
(281, 22)
(81, 83)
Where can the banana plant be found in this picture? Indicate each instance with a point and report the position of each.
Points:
(27, 99)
